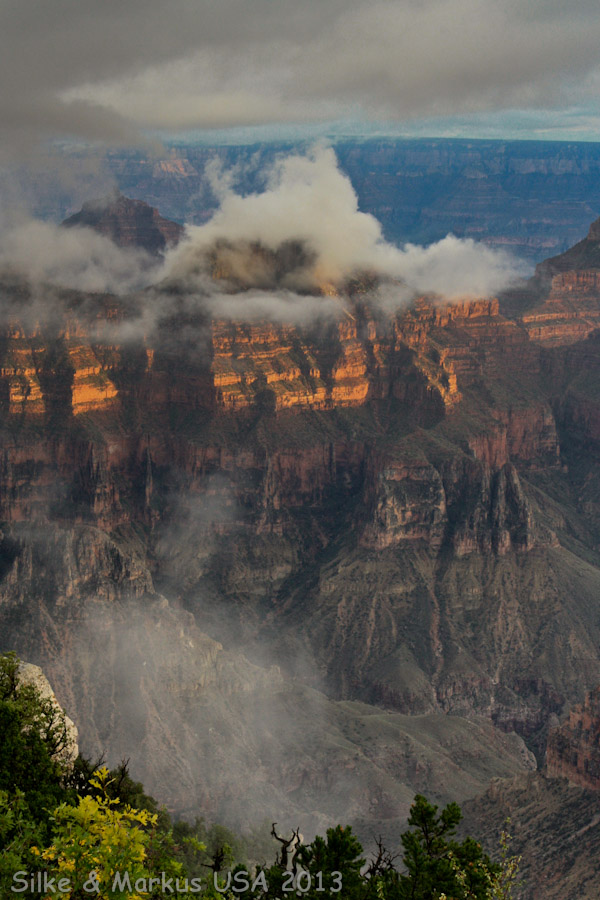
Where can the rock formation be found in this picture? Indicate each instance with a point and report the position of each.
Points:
(583, 257)
(564, 301)
(367, 523)
(128, 223)
(555, 828)
(33, 675)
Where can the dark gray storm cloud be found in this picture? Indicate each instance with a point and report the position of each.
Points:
(50, 49)
(101, 70)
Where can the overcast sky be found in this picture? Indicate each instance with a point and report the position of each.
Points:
(108, 69)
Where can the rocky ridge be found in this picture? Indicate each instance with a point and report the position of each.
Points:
(567, 306)
(128, 223)
(429, 350)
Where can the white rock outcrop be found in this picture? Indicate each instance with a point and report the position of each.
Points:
(30, 674)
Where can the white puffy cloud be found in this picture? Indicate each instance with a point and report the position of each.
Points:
(310, 202)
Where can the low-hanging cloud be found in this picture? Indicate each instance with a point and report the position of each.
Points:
(77, 258)
(284, 307)
(284, 255)
(306, 231)
(457, 267)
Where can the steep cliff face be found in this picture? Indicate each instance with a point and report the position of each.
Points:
(566, 295)
(574, 748)
(462, 504)
(570, 312)
(423, 356)
(250, 361)
(469, 598)
(527, 435)
(555, 828)
(398, 512)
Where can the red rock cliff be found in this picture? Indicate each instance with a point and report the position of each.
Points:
(128, 223)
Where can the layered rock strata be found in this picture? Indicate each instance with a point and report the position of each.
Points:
(397, 511)
(426, 354)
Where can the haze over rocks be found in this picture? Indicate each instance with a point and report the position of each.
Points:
(128, 223)
(305, 540)
(299, 491)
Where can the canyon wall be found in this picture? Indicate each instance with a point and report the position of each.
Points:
(383, 518)
(574, 747)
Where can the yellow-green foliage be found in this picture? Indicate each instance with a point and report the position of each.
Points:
(96, 840)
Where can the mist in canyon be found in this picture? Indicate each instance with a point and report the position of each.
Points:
(282, 543)
(310, 207)
(267, 255)
(299, 484)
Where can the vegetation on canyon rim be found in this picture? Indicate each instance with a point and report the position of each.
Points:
(74, 820)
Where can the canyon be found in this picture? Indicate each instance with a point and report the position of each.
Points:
(302, 571)
(533, 198)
